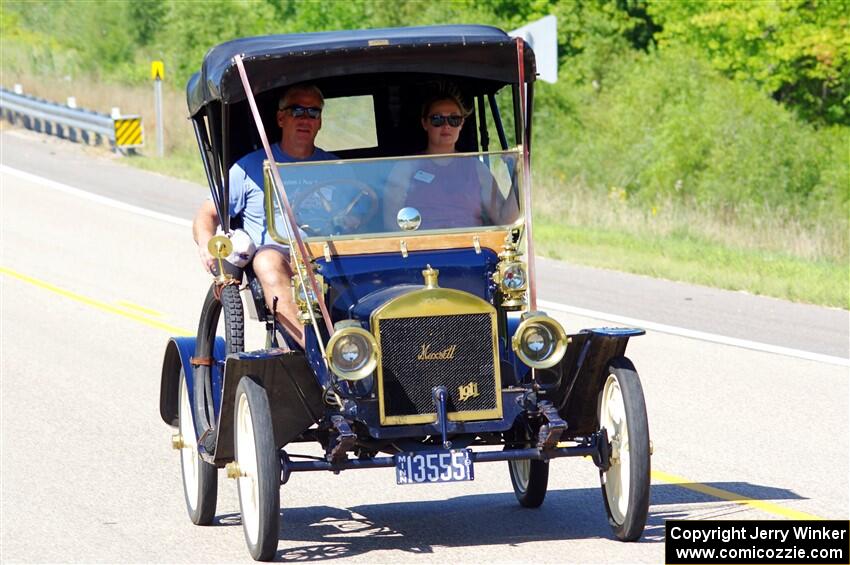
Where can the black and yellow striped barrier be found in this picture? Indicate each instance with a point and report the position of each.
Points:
(129, 131)
(75, 124)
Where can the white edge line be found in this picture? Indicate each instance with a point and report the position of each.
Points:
(663, 328)
(93, 197)
(694, 334)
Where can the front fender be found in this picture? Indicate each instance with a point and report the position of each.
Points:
(581, 373)
(295, 396)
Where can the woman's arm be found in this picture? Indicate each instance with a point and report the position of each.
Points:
(499, 210)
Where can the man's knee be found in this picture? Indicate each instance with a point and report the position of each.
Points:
(271, 268)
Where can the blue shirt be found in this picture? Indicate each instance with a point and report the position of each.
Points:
(246, 190)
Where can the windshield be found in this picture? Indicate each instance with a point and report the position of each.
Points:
(401, 195)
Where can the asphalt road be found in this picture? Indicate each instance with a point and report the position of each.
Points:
(737, 315)
(90, 295)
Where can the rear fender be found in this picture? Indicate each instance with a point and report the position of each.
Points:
(178, 355)
(295, 396)
(582, 371)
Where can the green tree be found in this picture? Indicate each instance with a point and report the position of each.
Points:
(796, 50)
(192, 28)
(91, 36)
(147, 17)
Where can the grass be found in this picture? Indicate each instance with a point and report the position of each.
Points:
(184, 164)
(764, 252)
(768, 255)
(692, 260)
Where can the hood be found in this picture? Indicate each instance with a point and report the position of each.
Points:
(357, 285)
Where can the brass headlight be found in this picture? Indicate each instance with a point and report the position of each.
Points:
(513, 277)
(352, 353)
(298, 293)
(539, 341)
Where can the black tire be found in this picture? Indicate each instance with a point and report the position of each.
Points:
(200, 479)
(230, 305)
(258, 460)
(625, 485)
(530, 478)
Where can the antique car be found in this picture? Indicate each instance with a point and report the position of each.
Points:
(424, 348)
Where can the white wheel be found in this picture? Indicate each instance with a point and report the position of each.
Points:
(520, 469)
(200, 479)
(530, 478)
(625, 485)
(259, 466)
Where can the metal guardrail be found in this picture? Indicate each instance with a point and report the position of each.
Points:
(63, 121)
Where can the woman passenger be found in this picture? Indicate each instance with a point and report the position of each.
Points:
(448, 193)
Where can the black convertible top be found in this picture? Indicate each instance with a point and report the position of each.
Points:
(274, 61)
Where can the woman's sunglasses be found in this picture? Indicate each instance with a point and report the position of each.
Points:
(438, 120)
(301, 111)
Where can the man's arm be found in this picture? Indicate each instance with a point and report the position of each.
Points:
(203, 229)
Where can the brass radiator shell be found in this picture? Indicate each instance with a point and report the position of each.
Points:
(435, 336)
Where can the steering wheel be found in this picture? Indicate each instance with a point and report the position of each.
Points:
(339, 214)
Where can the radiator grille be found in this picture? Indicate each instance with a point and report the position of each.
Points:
(418, 354)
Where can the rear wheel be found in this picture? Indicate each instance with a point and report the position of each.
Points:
(200, 479)
(259, 466)
(228, 302)
(222, 307)
(625, 485)
(529, 477)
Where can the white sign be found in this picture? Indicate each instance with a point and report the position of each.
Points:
(542, 35)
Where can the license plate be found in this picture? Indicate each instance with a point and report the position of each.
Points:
(434, 467)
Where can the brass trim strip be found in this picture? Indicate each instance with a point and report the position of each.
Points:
(493, 240)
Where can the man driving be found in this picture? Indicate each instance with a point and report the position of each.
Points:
(299, 117)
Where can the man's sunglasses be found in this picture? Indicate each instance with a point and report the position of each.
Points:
(301, 111)
(438, 120)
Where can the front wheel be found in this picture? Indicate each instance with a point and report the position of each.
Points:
(259, 466)
(200, 479)
(530, 478)
(625, 485)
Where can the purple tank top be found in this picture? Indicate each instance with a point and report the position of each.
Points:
(447, 196)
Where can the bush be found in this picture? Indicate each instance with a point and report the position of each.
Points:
(666, 128)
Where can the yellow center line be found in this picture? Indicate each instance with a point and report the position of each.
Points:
(142, 309)
(103, 306)
(769, 507)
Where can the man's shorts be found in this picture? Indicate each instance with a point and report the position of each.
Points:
(282, 249)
